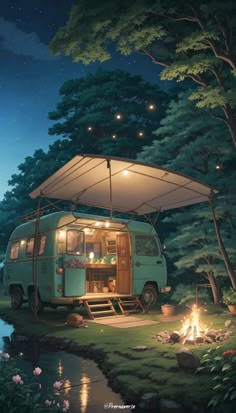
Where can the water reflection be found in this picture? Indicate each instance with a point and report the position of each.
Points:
(84, 385)
(84, 392)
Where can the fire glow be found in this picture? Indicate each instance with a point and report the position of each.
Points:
(193, 332)
(191, 328)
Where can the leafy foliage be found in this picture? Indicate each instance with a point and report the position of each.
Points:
(189, 142)
(189, 40)
(19, 394)
(222, 366)
(88, 110)
(229, 296)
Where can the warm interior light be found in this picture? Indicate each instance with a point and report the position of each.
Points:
(61, 235)
(107, 224)
(97, 224)
(22, 242)
(91, 255)
(125, 172)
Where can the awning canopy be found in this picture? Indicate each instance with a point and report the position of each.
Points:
(122, 185)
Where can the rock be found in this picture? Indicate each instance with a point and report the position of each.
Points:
(150, 402)
(139, 348)
(170, 406)
(187, 359)
(230, 323)
(75, 320)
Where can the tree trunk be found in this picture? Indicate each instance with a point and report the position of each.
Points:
(230, 122)
(223, 251)
(214, 287)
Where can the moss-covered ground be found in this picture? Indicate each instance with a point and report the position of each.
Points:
(133, 373)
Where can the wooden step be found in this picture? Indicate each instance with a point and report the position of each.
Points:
(100, 305)
(103, 312)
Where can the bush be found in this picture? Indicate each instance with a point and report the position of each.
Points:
(222, 366)
(18, 394)
(229, 296)
(186, 294)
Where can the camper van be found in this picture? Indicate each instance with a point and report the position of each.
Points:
(80, 256)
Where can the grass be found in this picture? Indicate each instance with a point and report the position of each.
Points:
(131, 372)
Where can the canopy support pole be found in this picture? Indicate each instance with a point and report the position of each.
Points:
(35, 259)
(223, 251)
(110, 187)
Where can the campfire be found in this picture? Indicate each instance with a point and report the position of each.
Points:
(193, 332)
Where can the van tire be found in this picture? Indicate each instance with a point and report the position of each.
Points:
(32, 303)
(149, 296)
(16, 298)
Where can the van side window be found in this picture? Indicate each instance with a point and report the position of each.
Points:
(75, 242)
(15, 248)
(146, 245)
(29, 247)
(29, 251)
(42, 244)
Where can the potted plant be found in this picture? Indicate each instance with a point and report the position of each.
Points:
(229, 298)
(168, 307)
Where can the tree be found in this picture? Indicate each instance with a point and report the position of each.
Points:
(189, 40)
(110, 112)
(200, 149)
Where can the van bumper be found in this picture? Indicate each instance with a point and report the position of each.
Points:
(65, 300)
(165, 289)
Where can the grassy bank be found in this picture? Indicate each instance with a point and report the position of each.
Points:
(131, 372)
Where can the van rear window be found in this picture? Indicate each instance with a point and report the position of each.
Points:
(146, 245)
(15, 248)
(75, 242)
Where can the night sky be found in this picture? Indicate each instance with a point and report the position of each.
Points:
(31, 77)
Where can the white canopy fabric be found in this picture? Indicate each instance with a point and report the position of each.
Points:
(122, 185)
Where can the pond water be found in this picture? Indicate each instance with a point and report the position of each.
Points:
(85, 385)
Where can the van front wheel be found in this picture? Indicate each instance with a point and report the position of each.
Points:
(149, 296)
(32, 303)
(16, 298)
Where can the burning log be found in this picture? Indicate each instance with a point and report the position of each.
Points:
(193, 333)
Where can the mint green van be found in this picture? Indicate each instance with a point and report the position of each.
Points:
(78, 256)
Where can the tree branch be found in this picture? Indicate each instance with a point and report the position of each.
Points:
(157, 62)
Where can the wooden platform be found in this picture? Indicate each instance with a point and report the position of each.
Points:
(121, 321)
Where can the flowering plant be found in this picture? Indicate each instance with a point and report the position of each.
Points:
(229, 297)
(18, 394)
(223, 366)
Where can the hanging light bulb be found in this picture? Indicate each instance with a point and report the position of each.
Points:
(118, 116)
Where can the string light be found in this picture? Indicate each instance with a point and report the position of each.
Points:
(113, 136)
(151, 106)
(90, 128)
(118, 116)
(140, 134)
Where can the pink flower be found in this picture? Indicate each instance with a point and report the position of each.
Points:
(0, 352)
(48, 402)
(57, 385)
(66, 405)
(17, 379)
(21, 382)
(229, 353)
(37, 371)
(7, 356)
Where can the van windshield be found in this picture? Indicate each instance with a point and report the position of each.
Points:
(146, 245)
(75, 242)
